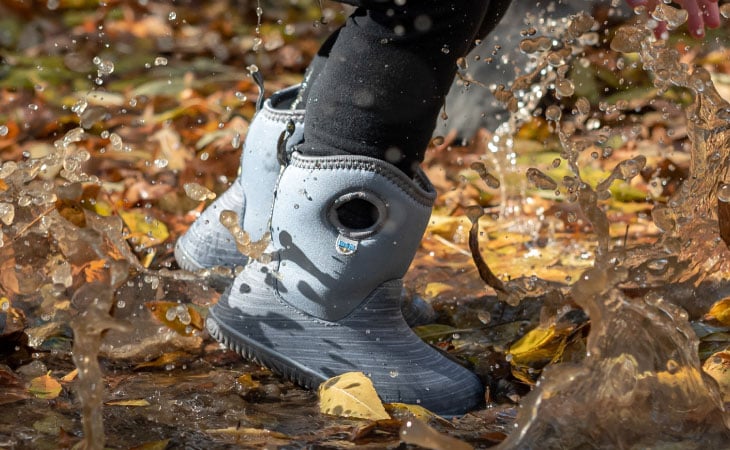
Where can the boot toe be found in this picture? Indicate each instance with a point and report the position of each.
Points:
(373, 339)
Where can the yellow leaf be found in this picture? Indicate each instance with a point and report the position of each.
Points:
(404, 410)
(718, 367)
(147, 230)
(182, 318)
(720, 312)
(247, 381)
(137, 402)
(436, 288)
(154, 445)
(536, 349)
(164, 360)
(70, 376)
(103, 208)
(45, 387)
(351, 395)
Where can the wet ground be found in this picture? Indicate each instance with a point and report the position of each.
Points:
(104, 119)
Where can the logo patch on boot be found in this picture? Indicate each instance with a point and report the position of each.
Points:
(345, 245)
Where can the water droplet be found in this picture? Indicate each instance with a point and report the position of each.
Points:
(198, 192)
(4, 130)
(674, 17)
(723, 192)
(160, 61)
(7, 213)
(540, 180)
(393, 374)
(629, 39)
(172, 15)
(553, 112)
(534, 45)
(103, 67)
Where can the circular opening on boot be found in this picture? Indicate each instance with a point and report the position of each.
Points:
(357, 214)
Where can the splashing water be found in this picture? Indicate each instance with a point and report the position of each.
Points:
(641, 383)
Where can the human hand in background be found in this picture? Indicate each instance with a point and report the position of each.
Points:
(702, 14)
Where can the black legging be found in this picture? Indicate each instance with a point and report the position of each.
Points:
(378, 83)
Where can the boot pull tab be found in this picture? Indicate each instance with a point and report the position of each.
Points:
(259, 80)
(281, 153)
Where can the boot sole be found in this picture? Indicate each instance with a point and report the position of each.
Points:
(252, 351)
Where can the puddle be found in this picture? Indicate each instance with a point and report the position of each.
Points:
(90, 213)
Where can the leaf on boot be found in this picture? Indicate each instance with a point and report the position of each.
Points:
(351, 394)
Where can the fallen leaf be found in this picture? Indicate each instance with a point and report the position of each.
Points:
(70, 376)
(12, 388)
(154, 445)
(147, 230)
(435, 289)
(351, 394)
(95, 271)
(136, 402)
(45, 387)
(405, 410)
(535, 350)
(164, 360)
(179, 317)
(718, 367)
(720, 312)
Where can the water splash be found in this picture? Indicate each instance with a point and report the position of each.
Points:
(641, 383)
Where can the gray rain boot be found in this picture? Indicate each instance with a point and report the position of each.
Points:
(207, 243)
(344, 231)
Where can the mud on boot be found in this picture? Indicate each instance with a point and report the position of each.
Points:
(344, 231)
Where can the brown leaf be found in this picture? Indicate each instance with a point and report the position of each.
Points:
(12, 388)
(96, 271)
(70, 376)
(45, 387)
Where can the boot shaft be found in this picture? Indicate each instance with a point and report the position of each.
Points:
(343, 225)
(260, 164)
